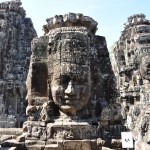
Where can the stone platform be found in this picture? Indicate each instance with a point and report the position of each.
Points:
(59, 135)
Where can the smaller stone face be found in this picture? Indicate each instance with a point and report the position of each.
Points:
(145, 67)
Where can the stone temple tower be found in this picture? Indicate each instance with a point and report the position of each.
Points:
(132, 63)
(16, 33)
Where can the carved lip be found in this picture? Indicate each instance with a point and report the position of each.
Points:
(69, 100)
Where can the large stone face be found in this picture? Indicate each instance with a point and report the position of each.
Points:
(131, 65)
(67, 68)
(16, 33)
(71, 89)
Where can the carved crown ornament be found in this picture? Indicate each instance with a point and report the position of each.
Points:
(70, 19)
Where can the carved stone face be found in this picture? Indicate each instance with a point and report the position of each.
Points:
(70, 87)
(145, 67)
(69, 64)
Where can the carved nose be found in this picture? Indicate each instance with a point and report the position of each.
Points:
(70, 89)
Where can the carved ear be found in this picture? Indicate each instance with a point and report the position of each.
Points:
(38, 68)
(39, 79)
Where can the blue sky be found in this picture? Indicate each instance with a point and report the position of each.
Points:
(110, 14)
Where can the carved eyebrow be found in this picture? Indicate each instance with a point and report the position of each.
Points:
(57, 78)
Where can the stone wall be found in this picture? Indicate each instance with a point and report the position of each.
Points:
(16, 33)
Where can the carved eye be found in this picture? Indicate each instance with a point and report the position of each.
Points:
(57, 79)
(49, 50)
(50, 44)
(75, 80)
(65, 79)
(79, 80)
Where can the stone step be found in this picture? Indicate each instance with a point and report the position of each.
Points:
(11, 131)
(8, 148)
(35, 147)
(52, 147)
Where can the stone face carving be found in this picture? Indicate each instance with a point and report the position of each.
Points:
(66, 68)
(16, 33)
(145, 67)
(71, 92)
(131, 67)
(71, 87)
(70, 80)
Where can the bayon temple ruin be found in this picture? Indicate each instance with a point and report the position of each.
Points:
(60, 91)
(131, 65)
(16, 33)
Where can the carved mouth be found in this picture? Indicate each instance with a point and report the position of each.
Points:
(69, 100)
